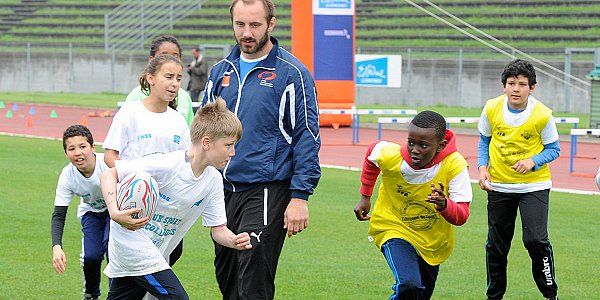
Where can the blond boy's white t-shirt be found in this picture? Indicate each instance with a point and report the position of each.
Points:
(183, 199)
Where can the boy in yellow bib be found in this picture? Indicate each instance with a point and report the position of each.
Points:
(518, 138)
(425, 191)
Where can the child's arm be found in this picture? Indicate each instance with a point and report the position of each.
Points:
(483, 159)
(483, 151)
(370, 171)
(551, 152)
(368, 178)
(108, 183)
(455, 212)
(110, 156)
(59, 259)
(62, 199)
(551, 143)
(222, 235)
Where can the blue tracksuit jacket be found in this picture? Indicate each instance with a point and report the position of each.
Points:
(277, 105)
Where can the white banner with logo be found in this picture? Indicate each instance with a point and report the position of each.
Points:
(378, 70)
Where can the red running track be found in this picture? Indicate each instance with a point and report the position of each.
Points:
(42, 123)
(336, 148)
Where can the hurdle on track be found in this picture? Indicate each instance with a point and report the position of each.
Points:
(574, 133)
(356, 113)
(381, 121)
(575, 122)
(451, 120)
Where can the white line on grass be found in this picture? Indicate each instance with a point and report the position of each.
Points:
(30, 136)
(37, 137)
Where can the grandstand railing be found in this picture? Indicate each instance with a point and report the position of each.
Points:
(130, 24)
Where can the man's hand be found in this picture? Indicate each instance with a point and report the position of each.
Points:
(295, 218)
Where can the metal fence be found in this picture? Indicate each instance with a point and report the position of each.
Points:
(458, 76)
(129, 25)
(453, 77)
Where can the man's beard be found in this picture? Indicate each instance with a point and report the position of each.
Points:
(259, 46)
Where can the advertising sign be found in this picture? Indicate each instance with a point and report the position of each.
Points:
(378, 70)
(333, 47)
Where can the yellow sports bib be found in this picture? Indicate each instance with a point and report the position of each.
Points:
(509, 144)
(402, 212)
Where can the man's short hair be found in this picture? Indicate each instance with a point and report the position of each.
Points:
(268, 5)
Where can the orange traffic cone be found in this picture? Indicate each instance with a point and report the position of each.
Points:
(84, 121)
(29, 122)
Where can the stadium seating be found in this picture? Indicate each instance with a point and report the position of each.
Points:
(391, 25)
(541, 23)
(53, 23)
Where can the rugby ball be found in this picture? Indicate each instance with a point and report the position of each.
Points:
(138, 190)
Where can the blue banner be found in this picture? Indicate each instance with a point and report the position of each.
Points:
(333, 47)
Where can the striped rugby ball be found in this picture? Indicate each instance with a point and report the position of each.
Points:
(138, 190)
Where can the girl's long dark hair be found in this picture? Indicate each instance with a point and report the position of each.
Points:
(152, 68)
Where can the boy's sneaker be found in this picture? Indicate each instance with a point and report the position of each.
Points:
(90, 297)
(553, 298)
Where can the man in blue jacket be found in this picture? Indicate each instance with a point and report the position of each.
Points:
(276, 167)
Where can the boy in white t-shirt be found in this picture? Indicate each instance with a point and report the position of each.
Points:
(190, 186)
(81, 177)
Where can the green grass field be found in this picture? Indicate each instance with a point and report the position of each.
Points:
(332, 259)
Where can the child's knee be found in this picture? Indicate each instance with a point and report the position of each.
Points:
(177, 293)
(93, 257)
(408, 290)
(536, 245)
